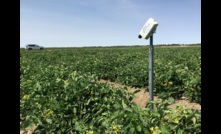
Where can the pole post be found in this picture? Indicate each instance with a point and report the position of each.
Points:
(151, 65)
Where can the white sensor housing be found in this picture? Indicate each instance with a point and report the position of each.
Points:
(148, 29)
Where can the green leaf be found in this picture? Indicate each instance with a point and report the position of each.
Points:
(146, 131)
(171, 99)
(136, 91)
(104, 124)
(25, 124)
(180, 131)
(165, 130)
(77, 126)
(131, 130)
(194, 120)
(124, 105)
(139, 128)
(75, 110)
(49, 121)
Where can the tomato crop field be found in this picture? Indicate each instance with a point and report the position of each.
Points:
(60, 90)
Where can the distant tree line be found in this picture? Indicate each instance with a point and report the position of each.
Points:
(195, 44)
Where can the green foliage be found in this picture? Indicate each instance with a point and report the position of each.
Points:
(177, 71)
(59, 92)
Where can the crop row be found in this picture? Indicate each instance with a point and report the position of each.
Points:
(58, 99)
(177, 71)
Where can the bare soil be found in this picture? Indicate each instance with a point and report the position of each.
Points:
(141, 98)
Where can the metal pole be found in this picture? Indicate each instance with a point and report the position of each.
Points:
(151, 65)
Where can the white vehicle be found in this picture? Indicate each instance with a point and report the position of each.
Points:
(33, 47)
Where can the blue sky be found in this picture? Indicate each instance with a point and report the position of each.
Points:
(77, 23)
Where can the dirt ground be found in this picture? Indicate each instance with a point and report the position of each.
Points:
(141, 97)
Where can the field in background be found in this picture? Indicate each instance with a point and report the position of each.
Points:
(60, 88)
